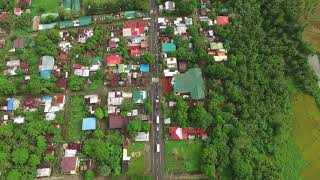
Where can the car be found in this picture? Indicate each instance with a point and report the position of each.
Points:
(157, 128)
(158, 119)
(158, 147)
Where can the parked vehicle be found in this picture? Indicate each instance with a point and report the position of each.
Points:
(158, 147)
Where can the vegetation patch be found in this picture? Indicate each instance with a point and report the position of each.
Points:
(306, 133)
(182, 156)
(48, 6)
(136, 163)
(76, 113)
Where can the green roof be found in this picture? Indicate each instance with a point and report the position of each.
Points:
(190, 82)
(138, 96)
(66, 24)
(76, 6)
(216, 46)
(168, 47)
(84, 20)
(67, 4)
(121, 68)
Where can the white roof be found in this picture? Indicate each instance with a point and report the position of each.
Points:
(43, 172)
(70, 153)
(94, 98)
(142, 136)
(50, 116)
(95, 67)
(47, 63)
(168, 73)
(111, 94)
(13, 63)
(5, 117)
(116, 101)
(112, 109)
(220, 58)
(161, 20)
(18, 120)
(126, 31)
(167, 121)
(127, 94)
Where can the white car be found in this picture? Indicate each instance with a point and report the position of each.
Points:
(157, 128)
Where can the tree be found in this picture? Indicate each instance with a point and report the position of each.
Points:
(148, 58)
(148, 105)
(145, 127)
(186, 7)
(104, 170)
(34, 160)
(199, 117)
(134, 127)
(76, 83)
(125, 108)
(14, 175)
(35, 86)
(169, 31)
(20, 156)
(6, 87)
(180, 113)
(99, 113)
(209, 157)
(89, 175)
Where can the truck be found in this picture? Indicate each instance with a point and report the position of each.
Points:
(158, 147)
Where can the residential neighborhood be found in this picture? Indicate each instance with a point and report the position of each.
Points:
(141, 90)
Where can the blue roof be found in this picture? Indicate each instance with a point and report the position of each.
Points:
(89, 123)
(46, 97)
(45, 74)
(10, 106)
(144, 67)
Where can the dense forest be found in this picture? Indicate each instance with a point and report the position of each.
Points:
(252, 125)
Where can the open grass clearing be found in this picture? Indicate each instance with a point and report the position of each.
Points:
(306, 133)
(136, 164)
(182, 156)
(76, 113)
(45, 6)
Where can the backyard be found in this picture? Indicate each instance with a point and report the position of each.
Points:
(76, 113)
(136, 164)
(182, 156)
(47, 6)
(307, 133)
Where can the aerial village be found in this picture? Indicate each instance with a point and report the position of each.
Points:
(81, 88)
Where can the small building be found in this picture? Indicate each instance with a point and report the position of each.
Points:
(92, 99)
(172, 63)
(69, 165)
(18, 43)
(190, 82)
(12, 104)
(177, 133)
(139, 96)
(168, 47)
(113, 60)
(142, 137)
(134, 28)
(18, 120)
(89, 124)
(169, 6)
(18, 11)
(216, 45)
(117, 122)
(222, 20)
(47, 64)
(144, 68)
(44, 170)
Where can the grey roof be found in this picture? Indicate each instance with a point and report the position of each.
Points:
(47, 63)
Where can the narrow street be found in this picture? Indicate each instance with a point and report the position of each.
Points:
(156, 133)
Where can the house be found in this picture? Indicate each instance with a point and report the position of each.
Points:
(169, 6)
(177, 133)
(170, 72)
(168, 47)
(47, 64)
(216, 45)
(171, 63)
(135, 52)
(25, 3)
(12, 104)
(113, 60)
(18, 43)
(144, 68)
(142, 137)
(31, 103)
(95, 63)
(166, 85)
(117, 122)
(139, 96)
(220, 58)
(190, 82)
(18, 11)
(53, 104)
(134, 28)
(89, 124)
(61, 83)
(84, 72)
(69, 165)
(84, 34)
(222, 20)
(44, 170)
(92, 99)
(18, 120)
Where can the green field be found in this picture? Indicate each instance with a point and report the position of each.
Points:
(136, 164)
(307, 133)
(45, 6)
(182, 156)
(76, 113)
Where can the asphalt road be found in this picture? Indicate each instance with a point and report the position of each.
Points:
(157, 127)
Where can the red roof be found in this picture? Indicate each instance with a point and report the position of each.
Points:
(204, 1)
(177, 133)
(31, 102)
(113, 60)
(137, 27)
(166, 84)
(135, 53)
(74, 146)
(62, 56)
(3, 16)
(17, 10)
(221, 53)
(68, 164)
(164, 39)
(24, 66)
(112, 44)
(61, 82)
(222, 20)
(117, 122)
(77, 66)
(133, 46)
(58, 99)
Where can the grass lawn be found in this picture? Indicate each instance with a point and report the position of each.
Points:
(45, 6)
(76, 112)
(136, 164)
(182, 156)
(307, 133)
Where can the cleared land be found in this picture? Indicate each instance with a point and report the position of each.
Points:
(307, 133)
(76, 112)
(45, 6)
(136, 164)
(182, 156)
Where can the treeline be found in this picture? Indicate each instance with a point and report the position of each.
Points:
(251, 123)
(114, 6)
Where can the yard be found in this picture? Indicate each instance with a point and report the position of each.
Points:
(75, 114)
(182, 156)
(307, 133)
(48, 6)
(136, 164)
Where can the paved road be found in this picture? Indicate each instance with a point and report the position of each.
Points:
(156, 139)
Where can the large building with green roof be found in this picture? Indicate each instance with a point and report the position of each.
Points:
(191, 83)
(168, 47)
